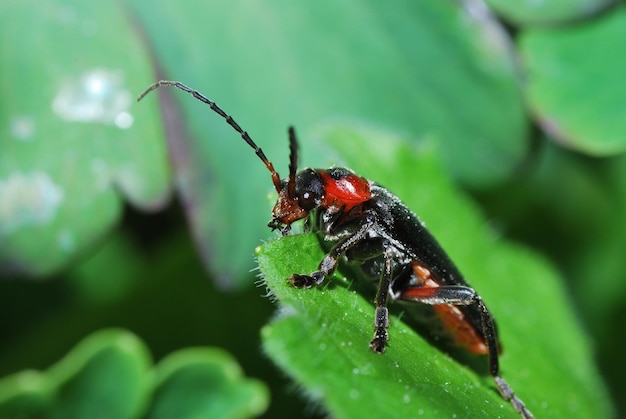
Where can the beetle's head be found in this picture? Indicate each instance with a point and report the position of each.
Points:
(299, 194)
(337, 190)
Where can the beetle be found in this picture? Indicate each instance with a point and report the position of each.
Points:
(373, 228)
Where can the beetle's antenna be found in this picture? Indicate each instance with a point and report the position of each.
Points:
(229, 120)
(293, 163)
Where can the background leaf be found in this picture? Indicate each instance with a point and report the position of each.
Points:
(107, 376)
(593, 122)
(205, 382)
(531, 12)
(321, 337)
(71, 144)
(107, 369)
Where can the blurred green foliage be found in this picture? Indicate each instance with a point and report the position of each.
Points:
(528, 116)
(108, 376)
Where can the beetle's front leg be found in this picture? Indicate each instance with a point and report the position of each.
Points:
(326, 268)
(328, 265)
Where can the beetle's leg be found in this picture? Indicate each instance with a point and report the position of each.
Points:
(507, 394)
(461, 295)
(458, 295)
(328, 265)
(381, 319)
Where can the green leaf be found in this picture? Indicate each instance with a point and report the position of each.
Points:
(108, 375)
(70, 142)
(205, 383)
(575, 82)
(320, 336)
(109, 368)
(24, 394)
(426, 67)
(602, 258)
(533, 12)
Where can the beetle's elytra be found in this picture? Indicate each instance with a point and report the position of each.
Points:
(370, 226)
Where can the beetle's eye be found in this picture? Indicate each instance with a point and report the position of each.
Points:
(307, 200)
(309, 189)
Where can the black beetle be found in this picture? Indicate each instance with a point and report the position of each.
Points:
(373, 228)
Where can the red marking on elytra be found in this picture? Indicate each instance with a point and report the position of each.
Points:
(462, 332)
(451, 317)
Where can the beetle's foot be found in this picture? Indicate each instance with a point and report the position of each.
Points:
(307, 281)
(507, 394)
(301, 281)
(379, 342)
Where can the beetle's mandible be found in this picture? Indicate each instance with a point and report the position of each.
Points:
(370, 226)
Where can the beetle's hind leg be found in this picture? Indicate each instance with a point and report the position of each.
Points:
(381, 319)
(459, 295)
